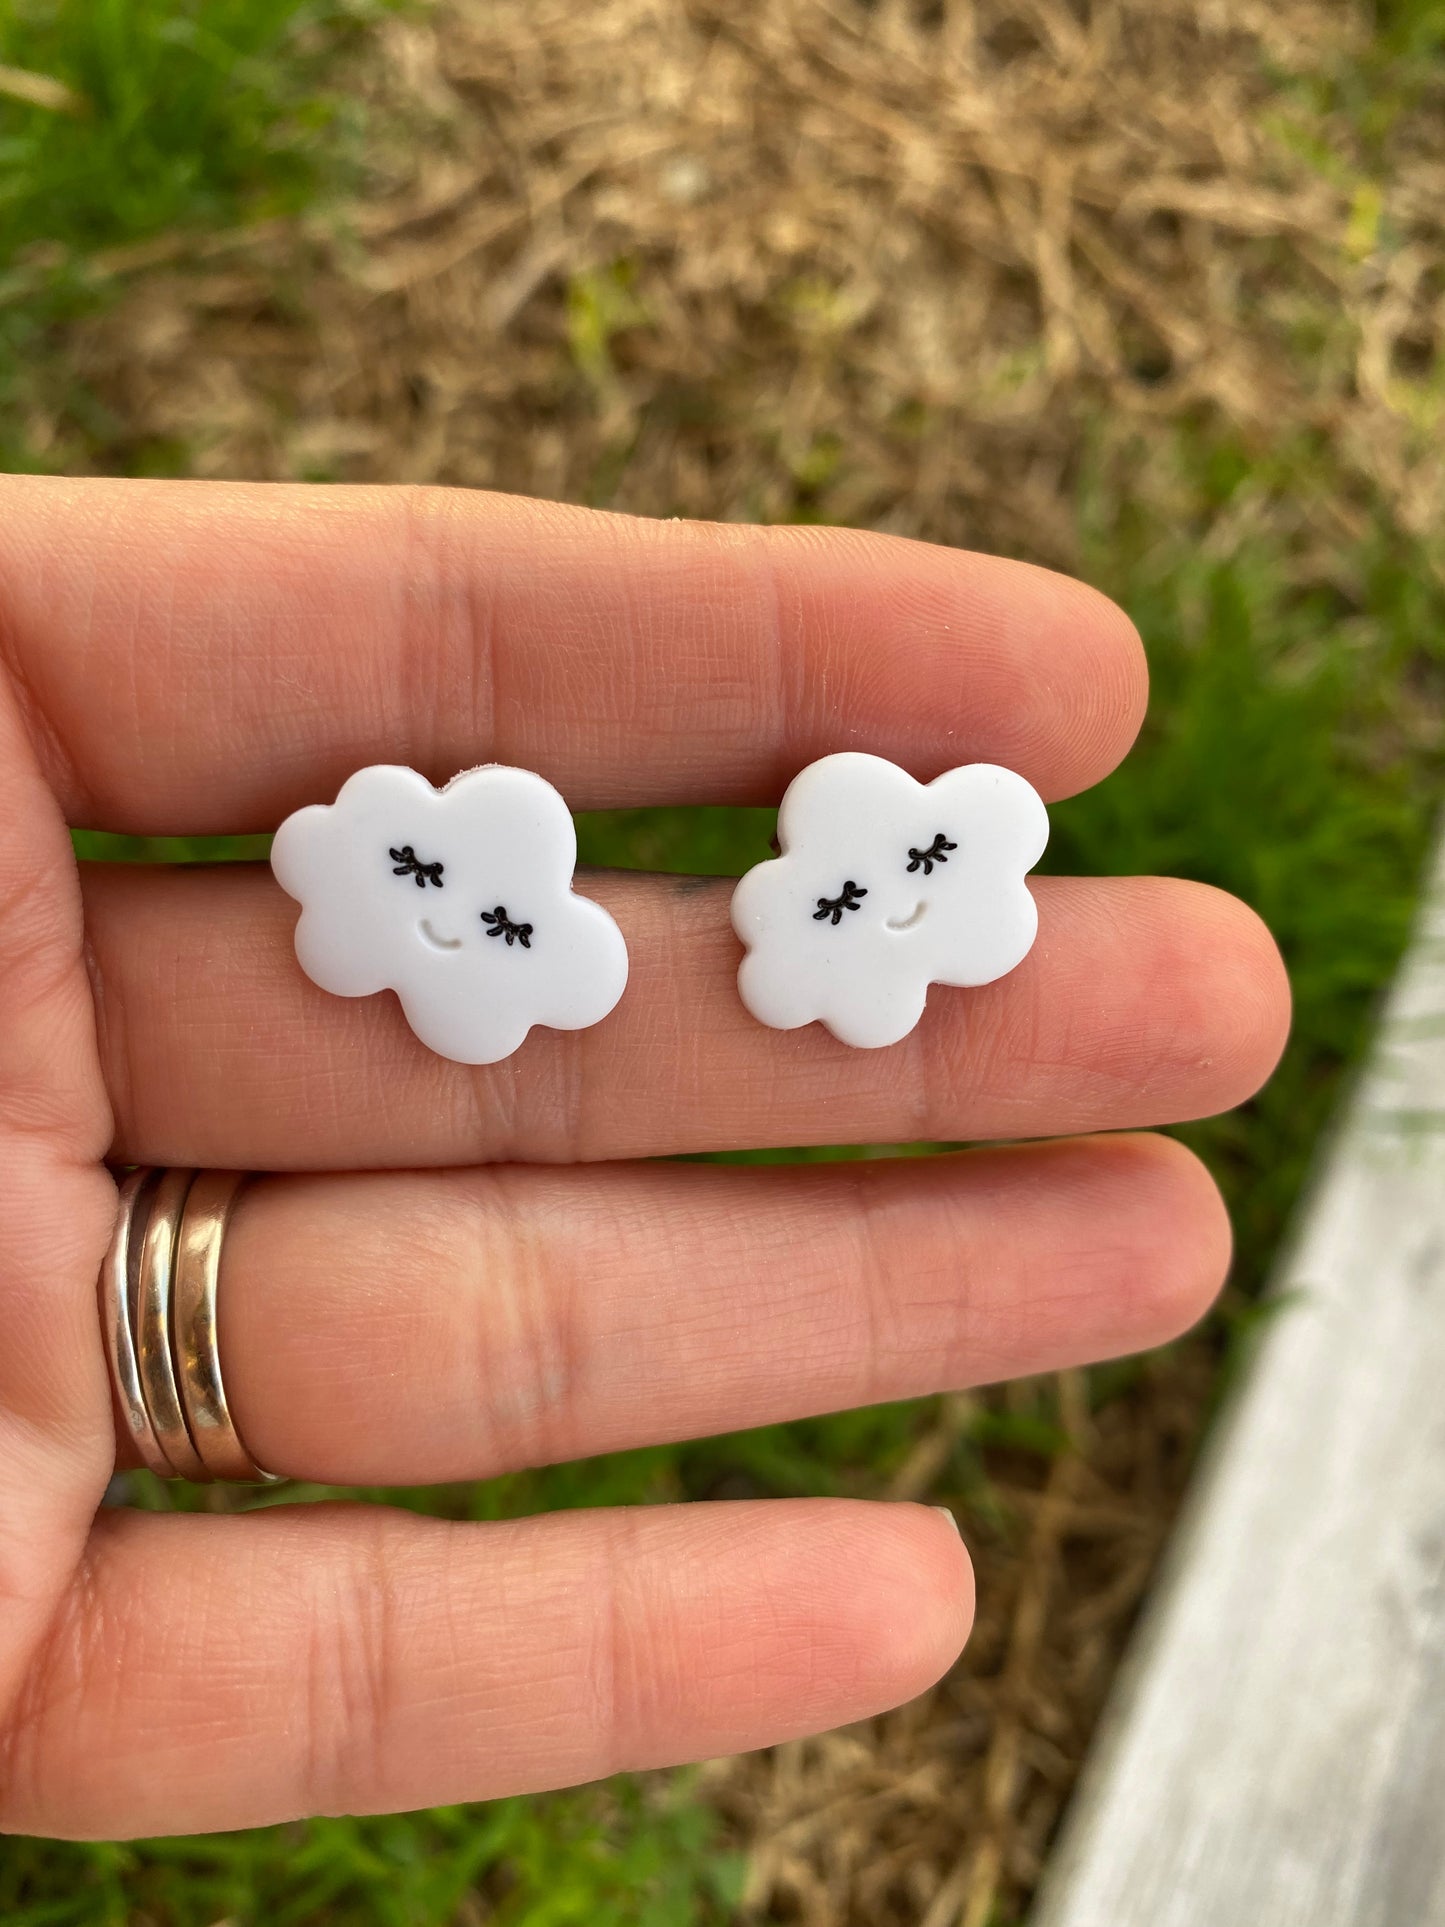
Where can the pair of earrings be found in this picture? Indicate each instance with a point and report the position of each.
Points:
(461, 901)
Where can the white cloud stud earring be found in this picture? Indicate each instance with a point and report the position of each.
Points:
(883, 886)
(459, 899)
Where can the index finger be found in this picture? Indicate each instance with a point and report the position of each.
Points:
(205, 657)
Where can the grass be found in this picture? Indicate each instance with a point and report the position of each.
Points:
(166, 115)
(1291, 755)
(633, 1857)
(198, 114)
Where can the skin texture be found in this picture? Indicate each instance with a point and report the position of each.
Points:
(1144, 1000)
(461, 1274)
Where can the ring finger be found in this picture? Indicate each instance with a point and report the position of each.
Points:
(419, 1327)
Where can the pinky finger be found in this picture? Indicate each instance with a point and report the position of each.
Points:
(228, 1672)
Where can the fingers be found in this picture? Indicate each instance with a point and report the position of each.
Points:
(1142, 1002)
(213, 1672)
(56, 1213)
(207, 657)
(416, 1328)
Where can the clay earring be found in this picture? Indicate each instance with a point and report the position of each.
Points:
(884, 885)
(459, 899)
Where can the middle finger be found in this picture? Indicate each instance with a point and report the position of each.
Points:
(1143, 1001)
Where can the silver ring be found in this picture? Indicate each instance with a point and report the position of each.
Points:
(158, 1292)
(119, 1286)
(193, 1328)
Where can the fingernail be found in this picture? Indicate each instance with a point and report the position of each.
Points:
(944, 1511)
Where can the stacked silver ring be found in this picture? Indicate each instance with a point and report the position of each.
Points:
(158, 1288)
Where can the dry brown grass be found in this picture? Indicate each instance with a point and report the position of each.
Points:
(905, 265)
(939, 1815)
(757, 258)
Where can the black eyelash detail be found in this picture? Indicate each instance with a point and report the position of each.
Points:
(937, 852)
(848, 898)
(502, 926)
(407, 865)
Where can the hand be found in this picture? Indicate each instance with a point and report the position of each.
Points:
(451, 1283)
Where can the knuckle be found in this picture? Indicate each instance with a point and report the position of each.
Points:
(350, 1662)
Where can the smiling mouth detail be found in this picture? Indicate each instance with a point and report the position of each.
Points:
(436, 942)
(908, 922)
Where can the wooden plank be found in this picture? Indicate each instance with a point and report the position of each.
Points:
(1274, 1755)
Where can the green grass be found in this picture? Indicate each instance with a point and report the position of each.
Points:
(1279, 761)
(195, 115)
(625, 1856)
(190, 115)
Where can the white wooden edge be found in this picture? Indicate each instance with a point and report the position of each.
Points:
(1274, 1753)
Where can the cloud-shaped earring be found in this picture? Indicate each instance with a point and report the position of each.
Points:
(459, 899)
(883, 886)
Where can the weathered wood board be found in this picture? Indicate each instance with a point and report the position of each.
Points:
(1275, 1752)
